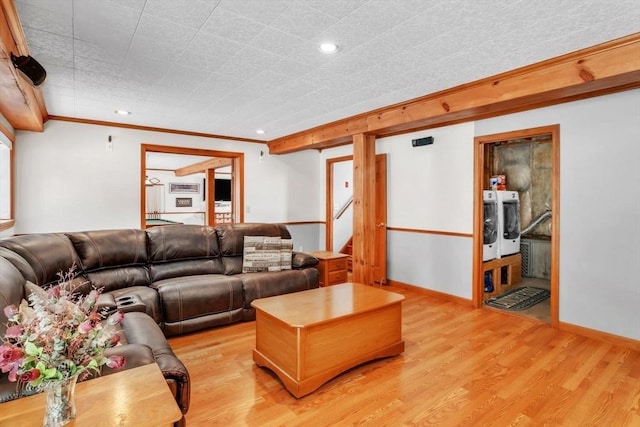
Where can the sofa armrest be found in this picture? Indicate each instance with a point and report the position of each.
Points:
(135, 355)
(106, 304)
(301, 260)
(139, 328)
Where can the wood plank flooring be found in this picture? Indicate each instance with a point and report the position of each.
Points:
(461, 367)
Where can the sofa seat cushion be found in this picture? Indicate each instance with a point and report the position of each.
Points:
(190, 297)
(200, 323)
(268, 284)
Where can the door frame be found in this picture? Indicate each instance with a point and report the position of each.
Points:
(237, 170)
(479, 171)
(329, 199)
(381, 157)
(380, 265)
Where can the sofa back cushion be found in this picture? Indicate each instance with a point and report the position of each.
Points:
(113, 259)
(182, 250)
(46, 255)
(231, 238)
(11, 290)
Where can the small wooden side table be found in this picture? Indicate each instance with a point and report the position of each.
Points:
(332, 267)
(135, 397)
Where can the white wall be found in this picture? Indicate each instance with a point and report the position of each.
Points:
(306, 238)
(342, 193)
(66, 180)
(431, 261)
(599, 207)
(5, 177)
(429, 188)
(283, 187)
(167, 177)
(5, 204)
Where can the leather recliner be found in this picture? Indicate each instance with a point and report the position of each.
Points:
(169, 280)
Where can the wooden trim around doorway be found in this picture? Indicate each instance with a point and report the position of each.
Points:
(479, 164)
(328, 237)
(238, 174)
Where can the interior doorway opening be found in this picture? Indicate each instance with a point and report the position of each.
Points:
(180, 185)
(528, 159)
(339, 212)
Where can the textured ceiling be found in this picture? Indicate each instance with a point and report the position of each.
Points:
(229, 67)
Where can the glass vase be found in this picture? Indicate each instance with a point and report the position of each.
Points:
(61, 406)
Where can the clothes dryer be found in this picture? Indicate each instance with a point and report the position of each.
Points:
(490, 226)
(508, 223)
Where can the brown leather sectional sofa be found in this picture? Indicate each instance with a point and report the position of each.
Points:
(169, 280)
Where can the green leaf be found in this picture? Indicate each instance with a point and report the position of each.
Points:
(32, 349)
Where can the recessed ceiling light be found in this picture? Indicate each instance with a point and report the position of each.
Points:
(260, 131)
(123, 112)
(328, 48)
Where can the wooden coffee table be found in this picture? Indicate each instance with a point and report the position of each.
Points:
(307, 338)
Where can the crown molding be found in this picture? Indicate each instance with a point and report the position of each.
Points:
(153, 129)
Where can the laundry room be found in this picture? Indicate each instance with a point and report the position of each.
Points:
(519, 189)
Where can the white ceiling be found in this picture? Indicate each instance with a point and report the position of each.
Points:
(229, 67)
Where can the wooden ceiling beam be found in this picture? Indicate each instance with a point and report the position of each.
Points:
(20, 103)
(215, 163)
(601, 69)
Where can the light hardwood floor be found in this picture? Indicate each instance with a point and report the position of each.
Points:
(461, 367)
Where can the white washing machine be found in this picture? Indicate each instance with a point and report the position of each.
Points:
(490, 226)
(508, 223)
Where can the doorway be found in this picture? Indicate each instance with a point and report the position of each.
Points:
(339, 211)
(190, 186)
(521, 154)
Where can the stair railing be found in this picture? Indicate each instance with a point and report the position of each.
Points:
(344, 208)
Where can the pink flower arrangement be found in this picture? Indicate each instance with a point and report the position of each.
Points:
(58, 335)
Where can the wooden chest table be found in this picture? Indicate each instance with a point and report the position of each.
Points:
(307, 338)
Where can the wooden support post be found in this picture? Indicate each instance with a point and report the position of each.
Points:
(364, 194)
(210, 190)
